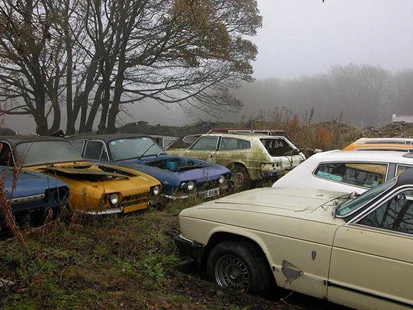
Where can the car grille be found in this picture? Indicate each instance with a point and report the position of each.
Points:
(134, 199)
(207, 185)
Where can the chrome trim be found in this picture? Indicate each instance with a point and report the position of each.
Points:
(393, 191)
(371, 294)
(27, 199)
(106, 211)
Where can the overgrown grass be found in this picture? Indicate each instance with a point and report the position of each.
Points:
(128, 262)
(84, 264)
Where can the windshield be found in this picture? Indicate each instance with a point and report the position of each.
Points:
(133, 148)
(46, 152)
(353, 205)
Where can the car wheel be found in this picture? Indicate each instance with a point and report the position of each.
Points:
(241, 178)
(240, 266)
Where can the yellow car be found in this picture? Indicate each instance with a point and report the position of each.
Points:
(381, 144)
(95, 188)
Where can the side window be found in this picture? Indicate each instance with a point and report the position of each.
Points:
(359, 174)
(228, 144)
(276, 147)
(6, 158)
(206, 144)
(396, 214)
(95, 150)
(401, 168)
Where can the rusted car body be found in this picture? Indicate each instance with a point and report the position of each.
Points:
(180, 177)
(94, 188)
(250, 157)
(31, 192)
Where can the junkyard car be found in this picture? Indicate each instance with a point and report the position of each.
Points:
(347, 171)
(94, 188)
(27, 191)
(250, 157)
(180, 177)
(351, 251)
(381, 144)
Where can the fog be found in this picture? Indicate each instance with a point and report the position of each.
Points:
(304, 37)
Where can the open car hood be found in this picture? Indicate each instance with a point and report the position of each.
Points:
(91, 172)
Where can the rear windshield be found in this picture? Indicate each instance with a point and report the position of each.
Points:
(277, 147)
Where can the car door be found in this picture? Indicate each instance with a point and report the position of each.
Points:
(372, 256)
(204, 148)
(235, 150)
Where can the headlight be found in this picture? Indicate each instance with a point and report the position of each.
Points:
(221, 179)
(191, 185)
(155, 190)
(114, 199)
(187, 186)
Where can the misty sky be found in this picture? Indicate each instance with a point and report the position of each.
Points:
(306, 37)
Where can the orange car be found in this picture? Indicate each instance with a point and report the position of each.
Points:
(381, 144)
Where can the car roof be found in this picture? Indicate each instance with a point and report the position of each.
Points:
(397, 144)
(108, 137)
(371, 156)
(384, 140)
(246, 136)
(14, 140)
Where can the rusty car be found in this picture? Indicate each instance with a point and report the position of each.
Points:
(250, 156)
(94, 188)
(181, 177)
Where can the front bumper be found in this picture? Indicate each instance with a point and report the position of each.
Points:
(190, 248)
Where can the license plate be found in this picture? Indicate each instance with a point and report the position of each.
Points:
(211, 193)
(136, 207)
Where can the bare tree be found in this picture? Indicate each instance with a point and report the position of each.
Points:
(403, 101)
(100, 55)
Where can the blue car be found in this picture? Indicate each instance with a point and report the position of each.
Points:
(29, 191)
(181, 177)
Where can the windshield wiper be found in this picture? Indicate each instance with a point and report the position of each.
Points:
(146, 150)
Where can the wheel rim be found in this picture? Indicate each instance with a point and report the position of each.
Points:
(230, 271)
(239, 178)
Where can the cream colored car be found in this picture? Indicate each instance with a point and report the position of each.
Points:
(351, 250)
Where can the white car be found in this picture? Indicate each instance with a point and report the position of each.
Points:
(355, 252)
(347, 171)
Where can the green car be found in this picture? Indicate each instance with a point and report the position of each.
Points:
(250, 156)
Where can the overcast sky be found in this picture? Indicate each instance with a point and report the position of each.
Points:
(306, 37)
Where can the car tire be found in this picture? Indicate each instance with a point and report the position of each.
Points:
(241, 266)
(240, 177)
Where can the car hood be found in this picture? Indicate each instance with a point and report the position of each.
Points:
(94, 172)
(28, 184)
(198, 170)
(293, 213)
(313, 205)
